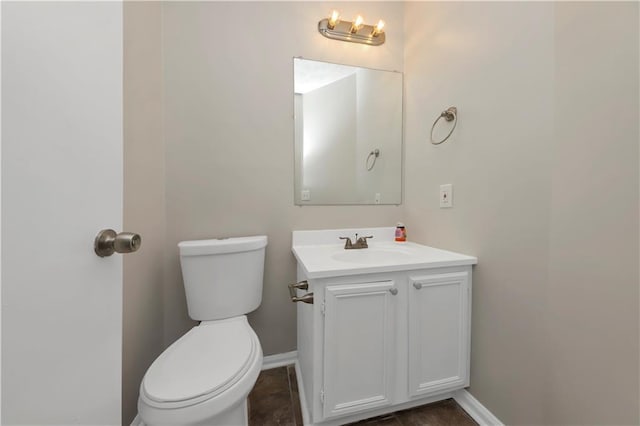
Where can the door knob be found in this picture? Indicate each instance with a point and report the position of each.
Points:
(108, 242)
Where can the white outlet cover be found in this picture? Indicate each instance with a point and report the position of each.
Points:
(446, 196)
(305, 195)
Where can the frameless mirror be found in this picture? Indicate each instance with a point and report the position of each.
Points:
(348, 134)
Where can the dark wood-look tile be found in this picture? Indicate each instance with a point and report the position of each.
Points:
(384, 420)
(295, 396)
(275, 401)
(270, 399)
(441, 413)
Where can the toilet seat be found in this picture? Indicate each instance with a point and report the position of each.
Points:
(204, 363)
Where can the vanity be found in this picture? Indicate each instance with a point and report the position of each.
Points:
(380, 329)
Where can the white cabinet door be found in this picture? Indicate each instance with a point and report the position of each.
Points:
(358, 347)
(438, 332)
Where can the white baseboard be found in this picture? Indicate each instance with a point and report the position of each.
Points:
(475, 409)
(279, 360)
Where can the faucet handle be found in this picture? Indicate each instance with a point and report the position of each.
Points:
(362, 242)
(348, 242)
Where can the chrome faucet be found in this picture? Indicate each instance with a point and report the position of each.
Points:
(361, 243)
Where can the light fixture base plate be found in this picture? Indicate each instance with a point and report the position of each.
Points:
(342, 32)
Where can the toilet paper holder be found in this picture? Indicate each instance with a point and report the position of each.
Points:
(302, 285)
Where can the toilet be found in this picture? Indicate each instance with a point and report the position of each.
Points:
(205, 376)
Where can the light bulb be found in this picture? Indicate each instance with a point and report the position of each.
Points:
(357, 24)
(378, 28)
(333, 20)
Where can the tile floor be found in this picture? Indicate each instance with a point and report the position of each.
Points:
(274, 401)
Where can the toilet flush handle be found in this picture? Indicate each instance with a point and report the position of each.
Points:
(108, 242)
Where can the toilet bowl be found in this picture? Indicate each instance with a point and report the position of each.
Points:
(205, 376)
(207, 372)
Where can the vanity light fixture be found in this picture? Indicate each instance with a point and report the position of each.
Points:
(333, 20)
(377, 30)
(355, 32)
(356, 25)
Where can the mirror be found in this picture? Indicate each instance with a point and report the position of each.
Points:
(348, 134)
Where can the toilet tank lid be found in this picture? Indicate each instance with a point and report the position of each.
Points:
(223, 245)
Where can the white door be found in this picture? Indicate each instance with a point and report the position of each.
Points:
(358, 347)
(61, 184)
(438, 332)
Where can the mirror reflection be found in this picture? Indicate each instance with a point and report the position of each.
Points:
(348, 134)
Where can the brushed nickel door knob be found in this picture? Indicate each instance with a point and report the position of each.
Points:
(108, 242)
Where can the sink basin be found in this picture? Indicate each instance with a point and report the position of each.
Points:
(321, 254)
(372, 256)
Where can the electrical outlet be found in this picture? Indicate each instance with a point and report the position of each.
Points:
(446, 196)
(377, 198)
(305, 195)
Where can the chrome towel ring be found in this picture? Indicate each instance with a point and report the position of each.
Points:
(450, 114)
(375, 153)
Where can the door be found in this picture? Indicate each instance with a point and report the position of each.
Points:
(61, 184)
(438, 332)
(358, 347)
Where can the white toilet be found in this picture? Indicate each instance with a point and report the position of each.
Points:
(205, 376)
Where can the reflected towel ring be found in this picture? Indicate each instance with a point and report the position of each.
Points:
(450, 114)
(376, 154)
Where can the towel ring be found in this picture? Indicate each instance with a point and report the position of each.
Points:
(376, 154)
(450, 114)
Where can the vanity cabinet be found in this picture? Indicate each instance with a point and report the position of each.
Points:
(380, 329)
(358, 355)
(377, 343)
(438, 332)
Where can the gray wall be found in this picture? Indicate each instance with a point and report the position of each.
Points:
(592, 311)
(144, 200)
(544, 164)
(229, 137)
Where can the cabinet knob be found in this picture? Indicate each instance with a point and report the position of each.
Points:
(393, 291)
(418, 286)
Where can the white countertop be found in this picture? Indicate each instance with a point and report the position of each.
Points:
(322, 260)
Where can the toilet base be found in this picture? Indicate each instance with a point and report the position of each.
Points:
(236, 416)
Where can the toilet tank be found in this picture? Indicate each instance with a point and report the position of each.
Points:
(222, 278)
